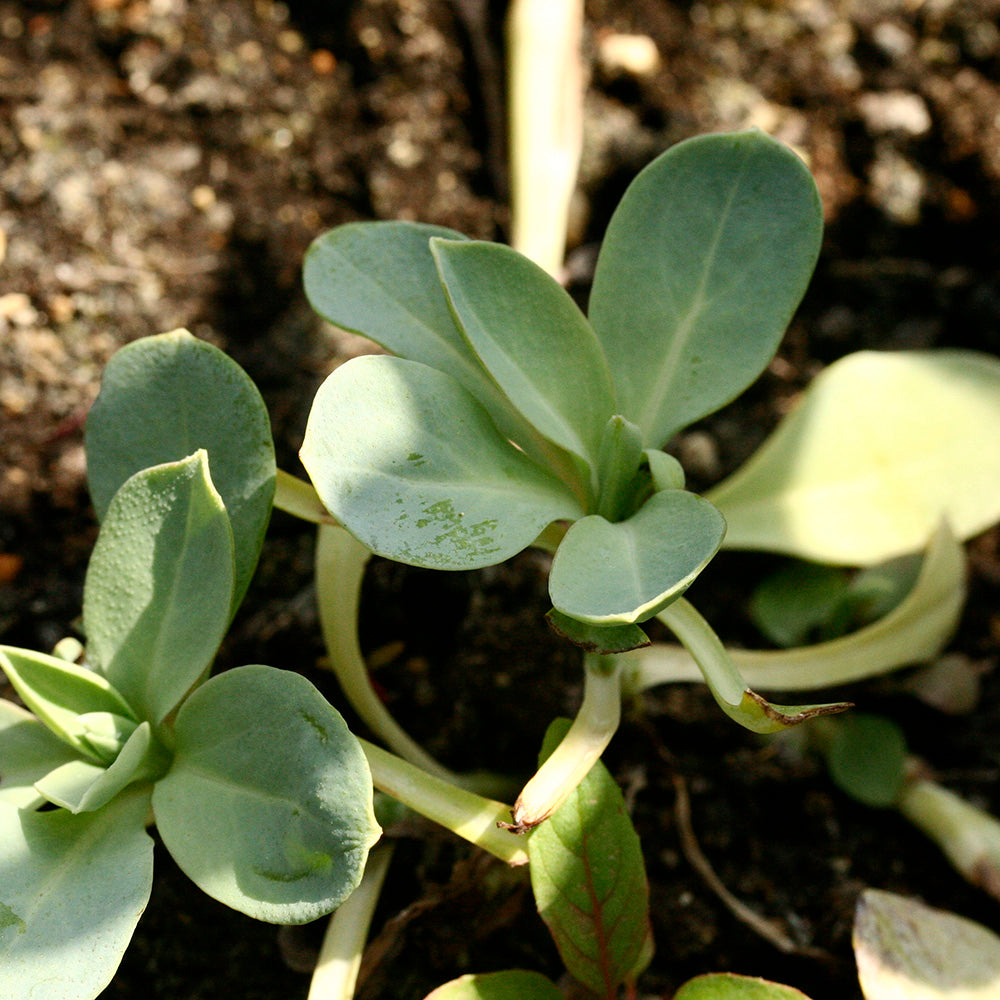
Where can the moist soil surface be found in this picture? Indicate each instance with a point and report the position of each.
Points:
(165, 163)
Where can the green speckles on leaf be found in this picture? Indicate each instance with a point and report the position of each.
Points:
(8, 918)
(454, 530)
(324, 736)
(414, 467)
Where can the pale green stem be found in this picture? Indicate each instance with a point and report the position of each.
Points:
(581, 747)
(916, 630)
(546, 85)
(297, 497)
(715, 663)
(471, 817)
(340, 566)
(723, 678)
(969, 837)
(340, 954)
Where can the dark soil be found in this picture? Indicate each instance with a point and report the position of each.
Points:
(166, 163)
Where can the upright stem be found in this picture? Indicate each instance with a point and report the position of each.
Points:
(470, 816)
(546, 124)
(340, 954)
(581, 747)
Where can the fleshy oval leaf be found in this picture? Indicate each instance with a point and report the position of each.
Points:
(163, 398)
(705, 259)
(414, 467)
(881, 447)
(80, 786)
(511, 984)
(268, 804)
(157, 596)
(615, 573)
(728, 986)
(379, 279)
(72, 889)
(907, 950)
(532, 338)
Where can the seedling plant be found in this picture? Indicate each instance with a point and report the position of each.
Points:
(503, 418)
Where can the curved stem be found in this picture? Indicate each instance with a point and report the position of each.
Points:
(340, 954)
(706, 649)
(340, 566)
(724, 680)
(581, 747)
(471, 817)
(917, 629)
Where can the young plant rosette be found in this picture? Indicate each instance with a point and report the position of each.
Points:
(507, 418)
(255, 785)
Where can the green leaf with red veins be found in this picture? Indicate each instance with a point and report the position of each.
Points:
(589, 881)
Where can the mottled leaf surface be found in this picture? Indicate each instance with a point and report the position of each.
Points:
(415, 469)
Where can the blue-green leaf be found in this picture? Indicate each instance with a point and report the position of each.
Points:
(533, 339)
(268, 804)
(163, 398)
(72, 889)
(28, 751)
(614, 573)
(158, 592)
(379, 279)
(80, 786)
(705, 259)
(59, 692)
(415, 469)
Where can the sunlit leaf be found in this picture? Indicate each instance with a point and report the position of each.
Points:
(704, 261)
(268, 804)
(163, 398)
(157, 596)
(512, 984)
(72, 889)
(881, 447)
(906, 950)
(415, 469)
(80, 786)
(379, 279)
(727, 986)
(589, 881)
